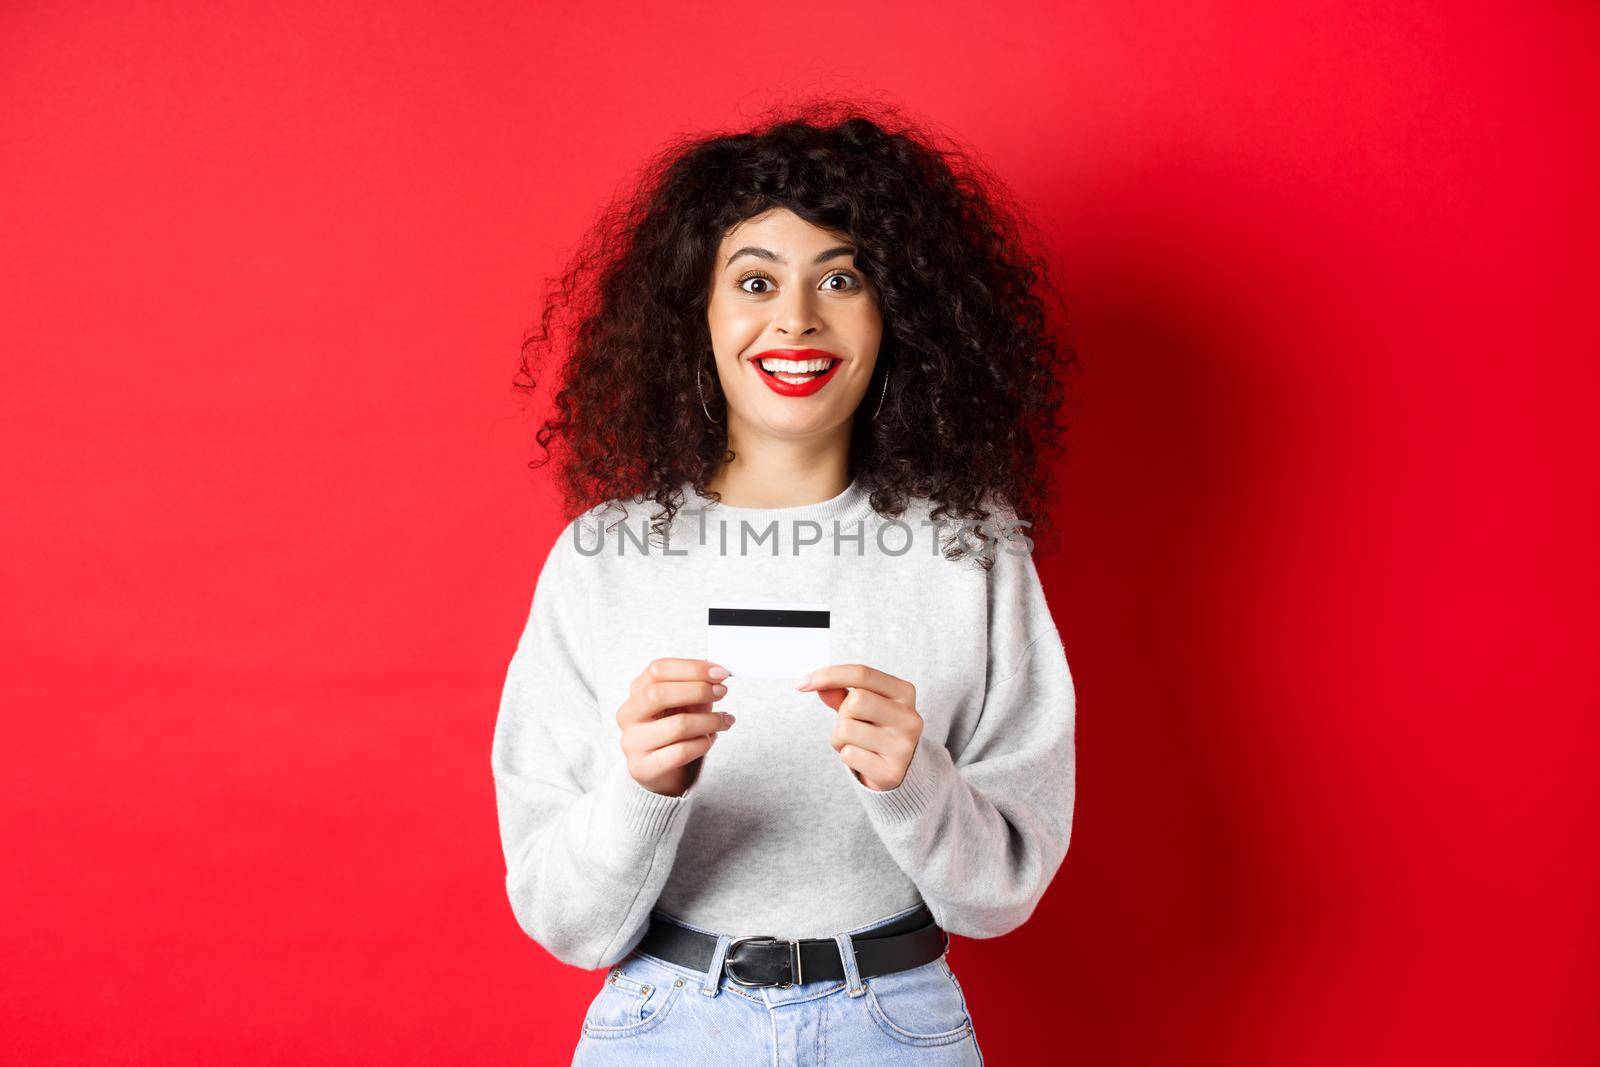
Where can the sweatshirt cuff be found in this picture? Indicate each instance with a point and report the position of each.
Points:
(643, 813)
(930, 773)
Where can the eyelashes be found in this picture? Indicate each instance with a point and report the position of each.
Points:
(768, 279)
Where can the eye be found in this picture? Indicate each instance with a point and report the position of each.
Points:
(756, 276)
(767, 281)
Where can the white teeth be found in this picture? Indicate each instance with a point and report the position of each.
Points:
(796, 366)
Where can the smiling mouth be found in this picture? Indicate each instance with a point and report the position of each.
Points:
(795, 371)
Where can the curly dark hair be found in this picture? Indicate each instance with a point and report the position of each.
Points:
(977, 375)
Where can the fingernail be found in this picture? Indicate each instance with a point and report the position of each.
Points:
(728, 715)
(718, 673)
(804, 681)
(718, 690)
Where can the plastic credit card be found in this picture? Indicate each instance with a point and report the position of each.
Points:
(769, 639)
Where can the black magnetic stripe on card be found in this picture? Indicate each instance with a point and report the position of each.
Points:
(768, 617)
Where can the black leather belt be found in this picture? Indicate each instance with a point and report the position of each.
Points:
(909, 941)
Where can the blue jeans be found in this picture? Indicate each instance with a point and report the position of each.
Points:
(653, 1012)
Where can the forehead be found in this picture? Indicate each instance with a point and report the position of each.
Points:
(779, 230)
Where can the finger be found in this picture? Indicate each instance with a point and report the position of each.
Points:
(675, 755)
(863, 735)
(659, 697)
(653, 702)
(658, 733)
(678, 670)
(868, 706)
(868, 765)
(859, 676)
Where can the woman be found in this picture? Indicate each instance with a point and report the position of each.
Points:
(808, 358)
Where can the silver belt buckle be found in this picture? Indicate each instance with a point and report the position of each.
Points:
(794, 960)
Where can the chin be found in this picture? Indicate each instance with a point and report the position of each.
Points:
(790, 423)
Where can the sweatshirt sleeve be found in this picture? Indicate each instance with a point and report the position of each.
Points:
(981, 832)
(587, 849)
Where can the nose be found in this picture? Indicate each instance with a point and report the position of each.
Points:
(797, 315)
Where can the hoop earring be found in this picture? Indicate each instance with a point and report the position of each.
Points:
(882, 393)
(701, 389)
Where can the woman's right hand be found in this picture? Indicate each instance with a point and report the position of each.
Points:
(667, 722)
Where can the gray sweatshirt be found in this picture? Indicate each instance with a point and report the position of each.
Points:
(776, 836)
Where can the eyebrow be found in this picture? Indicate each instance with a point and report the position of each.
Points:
(767, 254)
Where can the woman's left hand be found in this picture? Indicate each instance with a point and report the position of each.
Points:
(878, 727)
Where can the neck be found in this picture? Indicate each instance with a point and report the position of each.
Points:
(783, 474)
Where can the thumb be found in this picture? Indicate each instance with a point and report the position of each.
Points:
(832, 697)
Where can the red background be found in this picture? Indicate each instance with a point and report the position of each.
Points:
(1329, 583)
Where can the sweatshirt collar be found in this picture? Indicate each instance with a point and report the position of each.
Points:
(852, 503)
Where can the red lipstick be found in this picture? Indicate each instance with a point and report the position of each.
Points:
(792, 389)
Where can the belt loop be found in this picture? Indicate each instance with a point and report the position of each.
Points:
(847, 956)
(711, 984)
